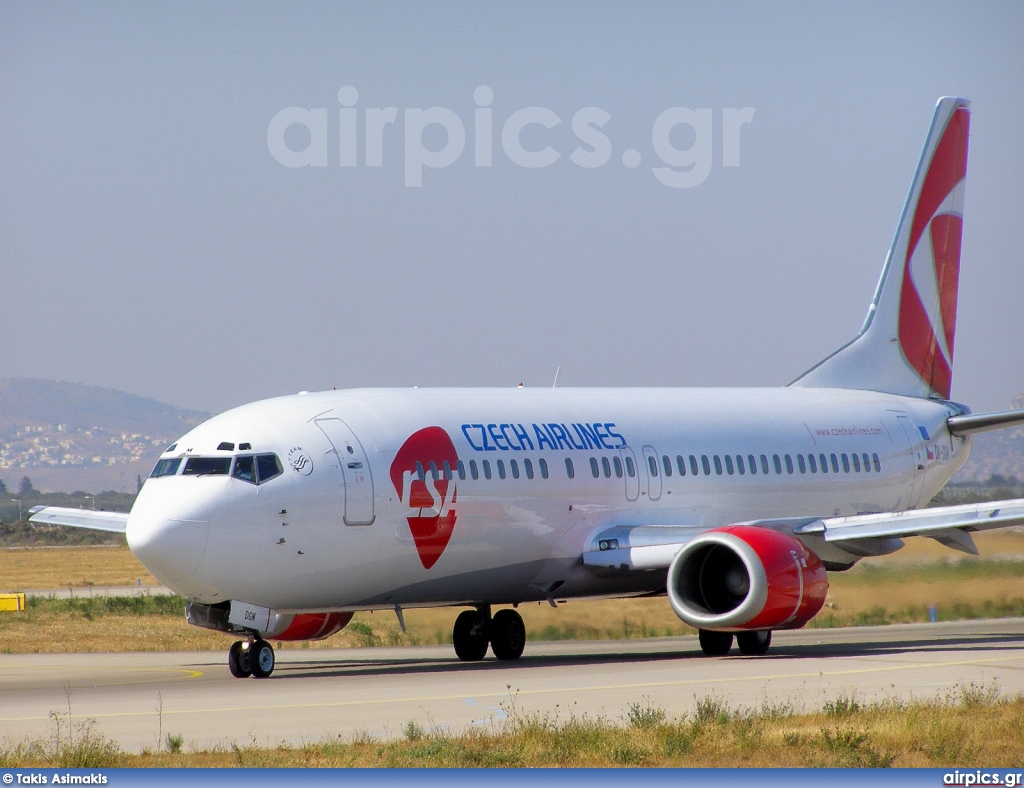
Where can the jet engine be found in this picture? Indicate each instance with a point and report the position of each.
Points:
(746, 578)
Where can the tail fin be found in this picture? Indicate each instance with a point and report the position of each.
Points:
(906, 343)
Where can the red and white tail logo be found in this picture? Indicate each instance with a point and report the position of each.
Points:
(915, 302)
(931, 270)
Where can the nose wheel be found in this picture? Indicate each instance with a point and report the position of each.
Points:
(253, 658)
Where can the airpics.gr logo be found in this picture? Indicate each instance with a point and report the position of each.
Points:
(418, 474)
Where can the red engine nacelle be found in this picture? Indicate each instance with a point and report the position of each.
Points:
(743, 578)
(313, 626)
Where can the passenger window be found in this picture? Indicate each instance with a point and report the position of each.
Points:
(501, 469)
(728, 464)
(764, 465)
(666, 464)
(652, 464)
(245, 469)
(856, 462)
(739, 464)
(846, 463)
(800, 463)
(447, 468)
(878, 464)
(718, 464)
(569, 470)
(812, 463)
(823, 462)
(167, 467)
(777, 462)
(630, 470)
(593, 467)
(433, 470)
(789, 464)
(705, 464)
(867, 463)
(473, 470)
(751, 463)
(514, 466)
(543, 468)
(606, 467)
(835, 463)
(528, 467)
(681, 465)
(617, 464)
(462, 471)
(693, 465)
(419, 470)
(487, 468)
(207, 466)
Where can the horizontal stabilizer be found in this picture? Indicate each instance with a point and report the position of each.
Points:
(983, 422)
(116, 522)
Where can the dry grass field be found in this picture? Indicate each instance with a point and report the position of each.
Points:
(895, 588)
(967, 727)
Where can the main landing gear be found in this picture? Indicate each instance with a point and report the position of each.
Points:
(475, 629)
(752, 644)
(254, 657)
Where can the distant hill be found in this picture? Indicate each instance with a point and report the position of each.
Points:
(28, 401)
(66, 436)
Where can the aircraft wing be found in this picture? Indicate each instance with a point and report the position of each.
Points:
(654, 546)
(79, 518)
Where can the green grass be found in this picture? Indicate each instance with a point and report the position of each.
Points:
(92, 608)
(960, 570)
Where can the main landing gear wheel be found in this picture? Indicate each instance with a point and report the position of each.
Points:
(239, 662)
(262, 659)
(469, 636)
(508, 634)
(715, 644)
(754, 644)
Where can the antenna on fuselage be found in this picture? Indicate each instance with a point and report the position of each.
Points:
(555, 384)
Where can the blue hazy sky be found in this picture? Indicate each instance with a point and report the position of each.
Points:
(151, 242)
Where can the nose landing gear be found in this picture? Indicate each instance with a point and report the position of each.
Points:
(254, 657)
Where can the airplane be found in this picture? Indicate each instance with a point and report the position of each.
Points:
(279, 519)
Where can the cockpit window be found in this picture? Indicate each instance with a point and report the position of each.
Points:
(203, 466)
(257, 469)
(269, 467)
(167, 467)
(245, 469)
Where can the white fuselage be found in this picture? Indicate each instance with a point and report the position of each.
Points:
(335, 530)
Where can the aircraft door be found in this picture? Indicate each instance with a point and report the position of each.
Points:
(347, 455)
(916, 457)
(631, 473)
(653, 472)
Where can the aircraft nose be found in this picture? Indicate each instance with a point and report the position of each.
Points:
(167, 532)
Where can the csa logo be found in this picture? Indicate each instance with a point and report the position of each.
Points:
(422, 484)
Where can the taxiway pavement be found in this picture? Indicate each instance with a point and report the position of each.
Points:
(321, 694)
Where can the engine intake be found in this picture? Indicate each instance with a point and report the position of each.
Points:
(743, 578)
